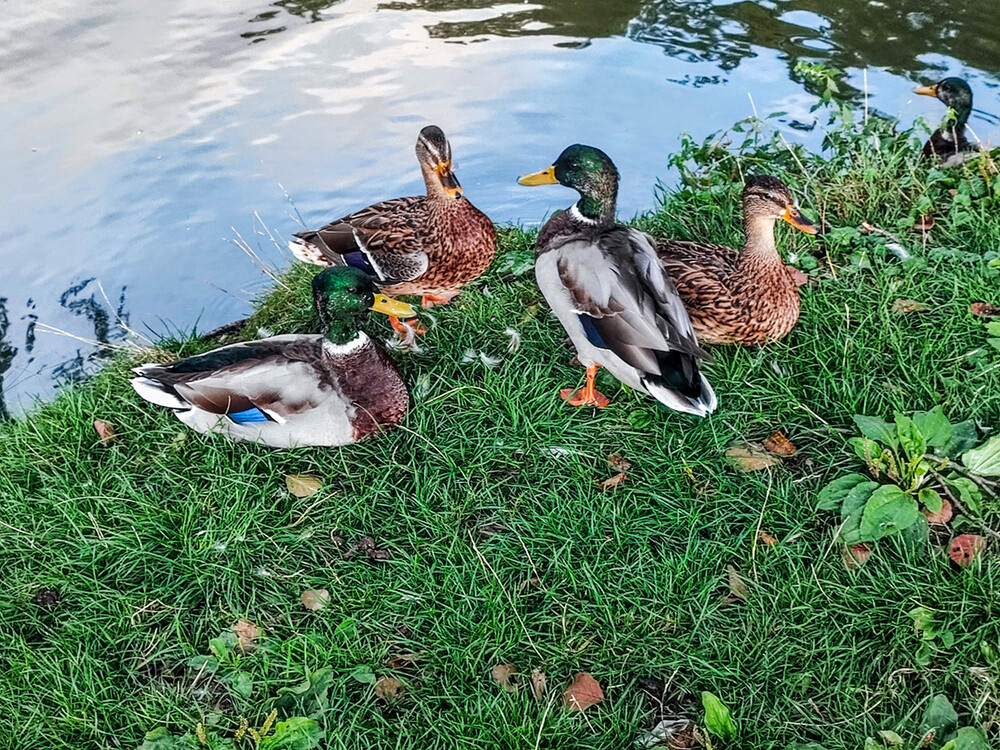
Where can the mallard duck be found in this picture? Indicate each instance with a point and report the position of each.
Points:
(740, 296)
(606, 286)
(431, 245)
(950, 144)
(332, 388)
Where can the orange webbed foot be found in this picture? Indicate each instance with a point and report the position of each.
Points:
(582, 397)
(407, 329)
(429, 300)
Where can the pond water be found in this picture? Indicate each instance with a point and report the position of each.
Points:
(142, 138)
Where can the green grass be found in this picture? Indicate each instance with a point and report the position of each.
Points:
(166, 538)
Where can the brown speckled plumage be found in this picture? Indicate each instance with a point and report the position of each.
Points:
(432, 244)
(740, 296)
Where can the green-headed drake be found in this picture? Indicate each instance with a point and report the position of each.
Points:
(607, 287)
(331, 388)
(431, 245)
(949, 144)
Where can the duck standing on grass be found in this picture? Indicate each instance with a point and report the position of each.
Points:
(950, 144)
(741, 296)
(431, 245)
(332, 388)
(604, 283)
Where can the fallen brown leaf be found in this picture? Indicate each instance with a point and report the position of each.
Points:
(105, 432)
(389, 689)
(528, 582)
(403, 661)
(746, 458)
(942, 517)
(672, 734)
(538, 684)
(314, 599)
(618, 462)
(779, 445)
(737, 586)
(247, 632)
(855, 556)
(506, 677)
(799, 278)
(907, 306)
(984, 309)
(966, 548)
(766, 538)
(366, 544)
(302, 485)
(612, 482)
(582, 693)
(925, 223)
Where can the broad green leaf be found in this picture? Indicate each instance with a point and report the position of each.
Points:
(963, 437)
(925, 653)
(934, 426)
(297, 733)
(219, 649)
(939, 716)
(852, 510)
(363, 674)
(877, 429)
(984, 460)
(309, 696)
(968, 738)
(717, 719)
(931, 500)
(968, 491)
(914, 443)
(162, 739)
(890, 738)
(947, 639)
(923, 620)
(888, 510)
(243, 684)
(912, 541)
(833, 495)
(203, 663)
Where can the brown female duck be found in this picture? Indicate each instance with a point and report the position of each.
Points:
(431, 245)
(740, 296)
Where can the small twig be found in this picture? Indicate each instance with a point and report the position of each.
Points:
(760, 520)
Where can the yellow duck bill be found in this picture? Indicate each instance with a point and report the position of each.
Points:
(546, 177)
(393, 307)
(926, 90)
(799, 220)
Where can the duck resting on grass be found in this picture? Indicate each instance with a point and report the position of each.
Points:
(605, 284)
(741, 296)
(431, 245)
(332, 388)
(950, 144)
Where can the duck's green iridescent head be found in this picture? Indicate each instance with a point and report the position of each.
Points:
(590, 172)
(345, 295)
(954, 93)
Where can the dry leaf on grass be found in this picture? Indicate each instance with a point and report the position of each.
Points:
(506, 677)
(984, 309)
(247, 632)
(925, 223)
(779, 445)
(403, 661)
(672, 734)
(618, 462)
(966, 548)
(907, 306)
(538, 684)
(856, 555)
(315, 599)
(389, 689)
(612, 482)
(942, 516)
(366, 545)
(302, 485)
(105, 432)
(799, 278)
(766, 538)
(582, 693)
(737, 586)
(746, 458)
